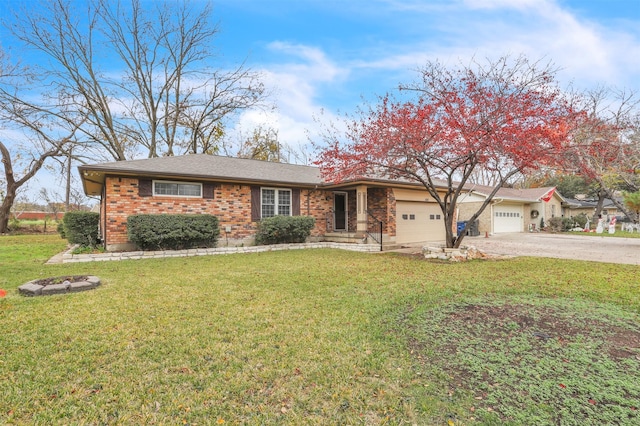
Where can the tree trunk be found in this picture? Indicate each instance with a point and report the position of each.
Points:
(67, 194)
(601, 195)
(450, 239)
(5, 209)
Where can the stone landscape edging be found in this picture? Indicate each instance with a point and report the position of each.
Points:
(69, 257)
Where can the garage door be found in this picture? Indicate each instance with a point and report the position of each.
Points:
(418, 222)
(507, 218)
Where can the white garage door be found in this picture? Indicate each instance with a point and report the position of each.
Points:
(507, 218)
(418, 222)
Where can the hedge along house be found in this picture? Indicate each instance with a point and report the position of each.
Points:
(511, 209)
(240, 192)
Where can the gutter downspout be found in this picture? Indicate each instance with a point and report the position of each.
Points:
(494, 202)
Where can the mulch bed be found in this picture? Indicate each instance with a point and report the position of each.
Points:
(59, 280)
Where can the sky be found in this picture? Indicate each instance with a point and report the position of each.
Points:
(330, 55)
(323, 58)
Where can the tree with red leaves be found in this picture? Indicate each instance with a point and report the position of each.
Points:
(505, 117)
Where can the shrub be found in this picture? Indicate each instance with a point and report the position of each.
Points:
(555, 224)
(81, 228)
(568, 223)
(14, 224)
(284, 229)
(173, 231)
(580, 220)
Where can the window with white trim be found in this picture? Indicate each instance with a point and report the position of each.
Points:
(275, 202)
(177, 189)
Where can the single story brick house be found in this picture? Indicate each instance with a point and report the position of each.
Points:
(240, 192)
(511, 209)
(587, 207)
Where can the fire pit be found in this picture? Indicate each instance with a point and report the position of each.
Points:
(59, 285)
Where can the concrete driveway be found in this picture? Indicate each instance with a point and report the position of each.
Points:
(563, 246)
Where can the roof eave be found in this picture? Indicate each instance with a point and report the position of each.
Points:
(376, 182)
(93, 178)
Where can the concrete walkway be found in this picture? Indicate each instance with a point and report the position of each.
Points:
(67, 257)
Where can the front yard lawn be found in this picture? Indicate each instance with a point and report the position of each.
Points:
(319, 337)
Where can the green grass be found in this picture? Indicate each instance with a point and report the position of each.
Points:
(31, 226)
(617, 234)
(310, 337)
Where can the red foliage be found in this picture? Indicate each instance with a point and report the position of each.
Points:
(462, 120)
(502, 119)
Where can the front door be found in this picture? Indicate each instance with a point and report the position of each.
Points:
(340, 211)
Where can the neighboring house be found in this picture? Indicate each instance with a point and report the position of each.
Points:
(240, 192)
(586, 206)
(510, 210)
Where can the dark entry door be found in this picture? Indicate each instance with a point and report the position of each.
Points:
(340, 211)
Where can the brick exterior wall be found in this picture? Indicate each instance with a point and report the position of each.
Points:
(314, 203)
(382, 203)
(352, 209)
(231, 204)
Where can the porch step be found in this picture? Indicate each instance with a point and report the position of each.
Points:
(342, 237)
(352, 238)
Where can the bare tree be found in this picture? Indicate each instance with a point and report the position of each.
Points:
(204, 110)
(40, 143)
(143, 77)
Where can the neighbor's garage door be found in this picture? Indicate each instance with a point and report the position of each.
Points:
(507, 218)
(418, 221)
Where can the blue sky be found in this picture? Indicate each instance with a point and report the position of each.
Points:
(327, 55)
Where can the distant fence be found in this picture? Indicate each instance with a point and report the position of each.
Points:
(37, 215)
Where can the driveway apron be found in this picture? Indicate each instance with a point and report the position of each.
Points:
(561, 246)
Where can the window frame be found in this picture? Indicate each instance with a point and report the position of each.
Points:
(198, 184)
(276, 198)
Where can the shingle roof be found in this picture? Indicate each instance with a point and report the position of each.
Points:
(203, 166)
(589, 203)
(214, 166)
(219, 168)
(529, 194)
(231, 169)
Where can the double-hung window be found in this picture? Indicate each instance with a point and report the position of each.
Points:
(275, 202)
(177, 189)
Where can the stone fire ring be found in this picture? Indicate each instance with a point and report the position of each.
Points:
(33, 289)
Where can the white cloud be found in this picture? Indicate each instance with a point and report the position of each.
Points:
(297, 85)
(587, 52)
(505, 4)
